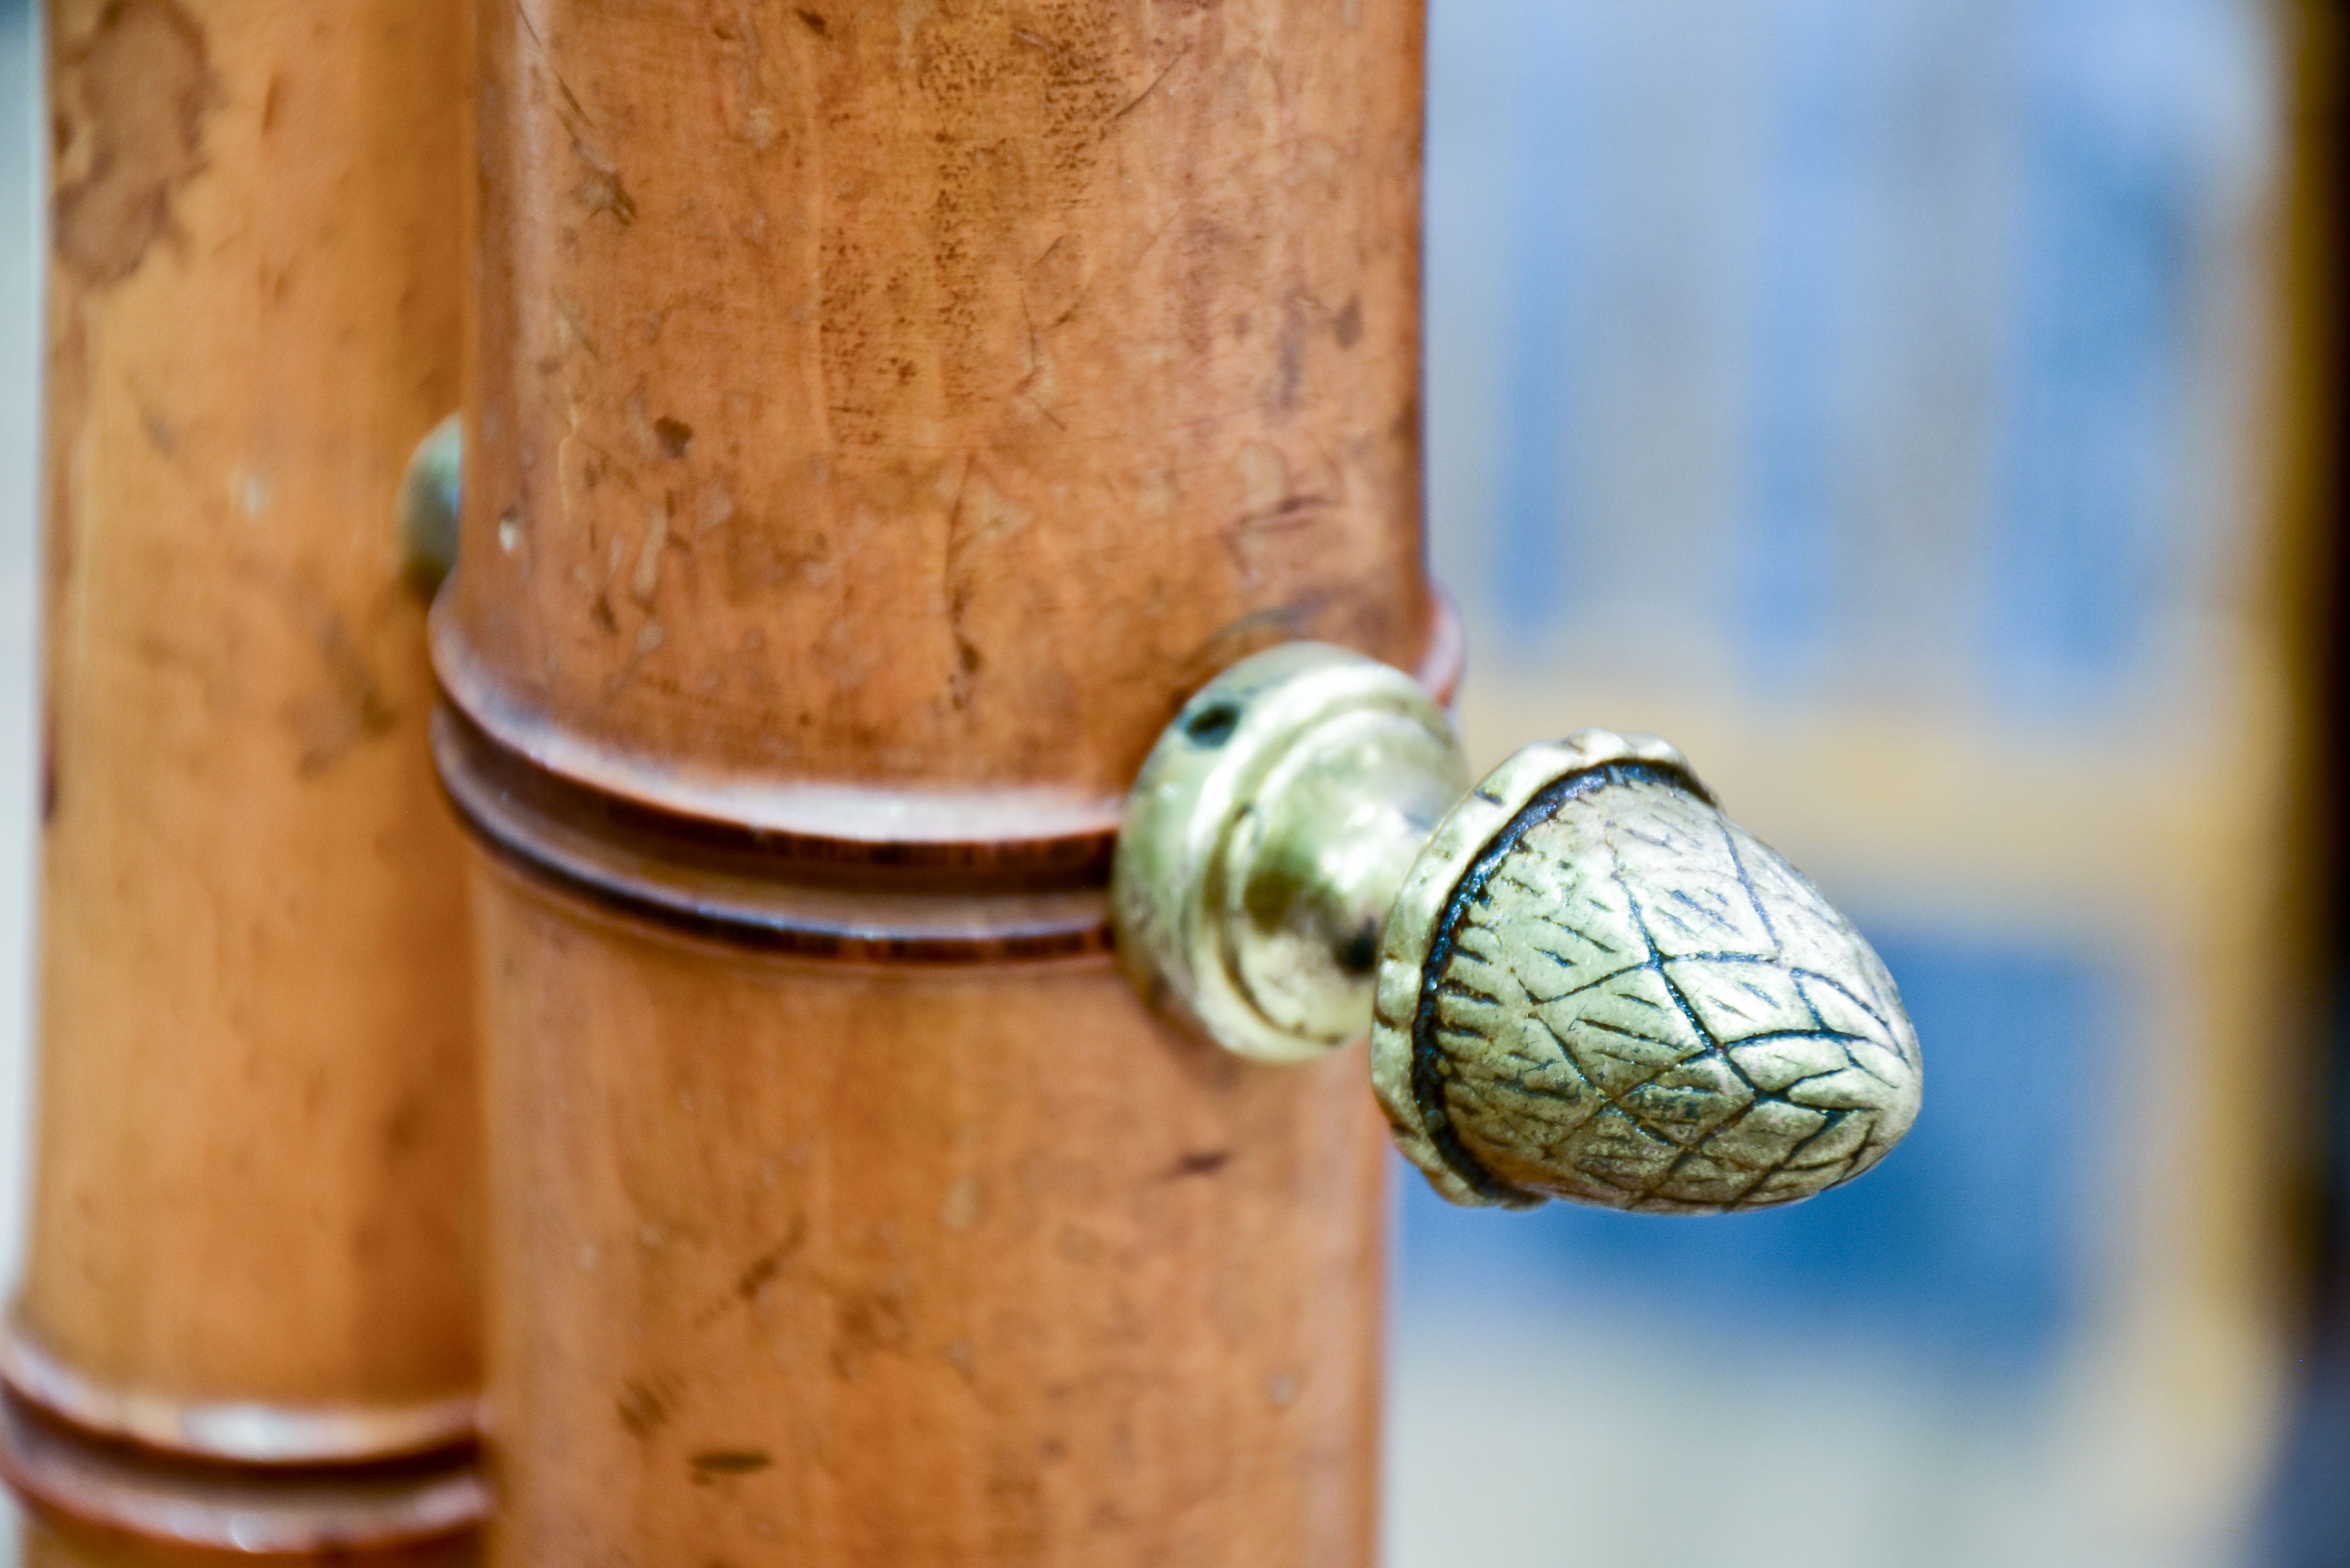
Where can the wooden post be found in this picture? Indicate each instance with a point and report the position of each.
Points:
(252, 1236)
(883, 416)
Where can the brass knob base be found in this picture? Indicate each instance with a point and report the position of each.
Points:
(1264, 842)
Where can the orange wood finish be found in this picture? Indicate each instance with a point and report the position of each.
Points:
(886, 412)
(46, 1541)
(829, 1264)
(883, 416)
(253, 1234)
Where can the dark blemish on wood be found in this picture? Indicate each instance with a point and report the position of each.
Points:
(159, 431)
(272, 102)
(600, 191)
(712, 1463)
(970, 657)
(674, 435)
(349, 709)
(816, 23)
(1291, 375)
(1201, 1162)
(600, 612)
(645, 1408)
(49, 767)
(403, 1129)
(1240, 324)
(131, 104)
(1288, 511)
(768, 1264)
(867, 1322)
(874, 1320)
(1349, 327)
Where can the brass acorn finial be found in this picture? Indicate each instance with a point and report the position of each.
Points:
(1595, 986)
(1588, 982)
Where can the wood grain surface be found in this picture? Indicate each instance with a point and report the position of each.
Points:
(830, 1264)
(251, 1232)
(886, 413)
(883, 417)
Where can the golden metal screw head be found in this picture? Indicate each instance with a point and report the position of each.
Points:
(1589, 983)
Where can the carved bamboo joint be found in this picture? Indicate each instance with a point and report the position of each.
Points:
(880, 418)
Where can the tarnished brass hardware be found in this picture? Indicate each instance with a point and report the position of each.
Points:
(1267, 838)
(430, 493)
(1581, 980)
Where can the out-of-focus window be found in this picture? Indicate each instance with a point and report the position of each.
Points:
(1867, 395)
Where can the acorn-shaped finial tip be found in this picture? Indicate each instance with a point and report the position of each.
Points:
(1595, 986)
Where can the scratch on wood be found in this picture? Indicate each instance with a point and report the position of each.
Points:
(1135, 102)
(522, 14)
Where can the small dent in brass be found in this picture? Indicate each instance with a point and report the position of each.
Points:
(1212, 725)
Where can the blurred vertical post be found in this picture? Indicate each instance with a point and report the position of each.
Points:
(2308, 1517)
(884, 416)
(251, 1239)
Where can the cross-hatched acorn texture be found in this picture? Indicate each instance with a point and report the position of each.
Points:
(1600, 988)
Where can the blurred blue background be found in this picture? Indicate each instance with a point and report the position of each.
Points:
(1965, 1255)
(1876, 398)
